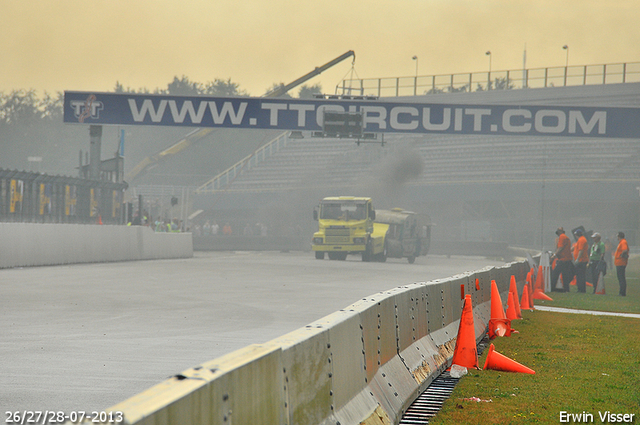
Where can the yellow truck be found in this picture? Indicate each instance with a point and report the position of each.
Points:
(350, 225)
(346, 226)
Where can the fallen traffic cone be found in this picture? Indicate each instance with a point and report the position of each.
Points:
(466, 352)
(525, 304)
(499, 325)
(600, 285)
(539, 295)
(497, 361)
(573, 281)
(513, 288)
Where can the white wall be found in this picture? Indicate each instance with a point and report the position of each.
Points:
(35, 244)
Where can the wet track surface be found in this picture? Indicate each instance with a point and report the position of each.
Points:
(87, 336)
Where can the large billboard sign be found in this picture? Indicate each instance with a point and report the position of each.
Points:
(377, 116)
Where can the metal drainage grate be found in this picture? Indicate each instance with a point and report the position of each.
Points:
(429, 403)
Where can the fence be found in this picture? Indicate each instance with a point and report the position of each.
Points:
(494, 80)
(41, 198)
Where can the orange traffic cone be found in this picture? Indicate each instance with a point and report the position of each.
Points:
(466, 352)
(499, 325)
(600, 285)
(497, 361)
(513, 288)
(511, 308)
(511, 311)
(477, 284)
(497, 309)
(538, 292)
(524, 304)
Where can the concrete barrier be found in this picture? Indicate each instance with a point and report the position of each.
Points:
(364, 364)
(38, 244)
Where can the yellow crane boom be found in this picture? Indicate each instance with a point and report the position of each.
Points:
(200, 133)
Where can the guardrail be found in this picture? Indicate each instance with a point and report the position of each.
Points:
(230, 174)
(561, 76)
(363, 364)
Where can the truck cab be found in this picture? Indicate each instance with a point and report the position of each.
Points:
(345, 226)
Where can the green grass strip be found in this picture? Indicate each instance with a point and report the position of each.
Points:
(585, 365)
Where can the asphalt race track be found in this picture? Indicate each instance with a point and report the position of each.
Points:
(87, 336)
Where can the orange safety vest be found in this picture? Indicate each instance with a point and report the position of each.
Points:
(565, 244)
(618, 259)
(581, 253)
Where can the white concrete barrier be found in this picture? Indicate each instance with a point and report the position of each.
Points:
(364, 364)
(37, 244)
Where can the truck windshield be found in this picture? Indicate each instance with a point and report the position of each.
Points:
(343, 211)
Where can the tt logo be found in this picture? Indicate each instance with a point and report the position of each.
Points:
(89, 108)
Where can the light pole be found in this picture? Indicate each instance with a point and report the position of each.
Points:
(415, 83)
(566, 64)
(489, 74)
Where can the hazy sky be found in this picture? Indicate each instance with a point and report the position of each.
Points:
(58, 45)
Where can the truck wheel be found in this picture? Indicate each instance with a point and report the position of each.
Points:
(411, 259)
(342, 256)
(367, 253)
(333, 255)
(319, 255)
(382, 257)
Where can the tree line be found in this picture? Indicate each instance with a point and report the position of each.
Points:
(33, 136)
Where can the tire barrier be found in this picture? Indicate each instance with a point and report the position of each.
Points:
(33, 244)
(363, 364)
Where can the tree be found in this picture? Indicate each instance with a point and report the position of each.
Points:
(184, 87)
(308, 92)
(277, 86)
(219, 87)
(19, 106)
(434, 90)
(459, 89)
(503, 84)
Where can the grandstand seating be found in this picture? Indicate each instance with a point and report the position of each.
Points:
(462, 159)
(447, 159)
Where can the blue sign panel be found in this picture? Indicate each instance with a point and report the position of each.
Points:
(377, 116)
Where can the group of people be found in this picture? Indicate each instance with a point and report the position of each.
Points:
(172, 226)
(582, 259)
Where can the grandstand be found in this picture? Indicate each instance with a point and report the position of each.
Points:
(514, 189)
